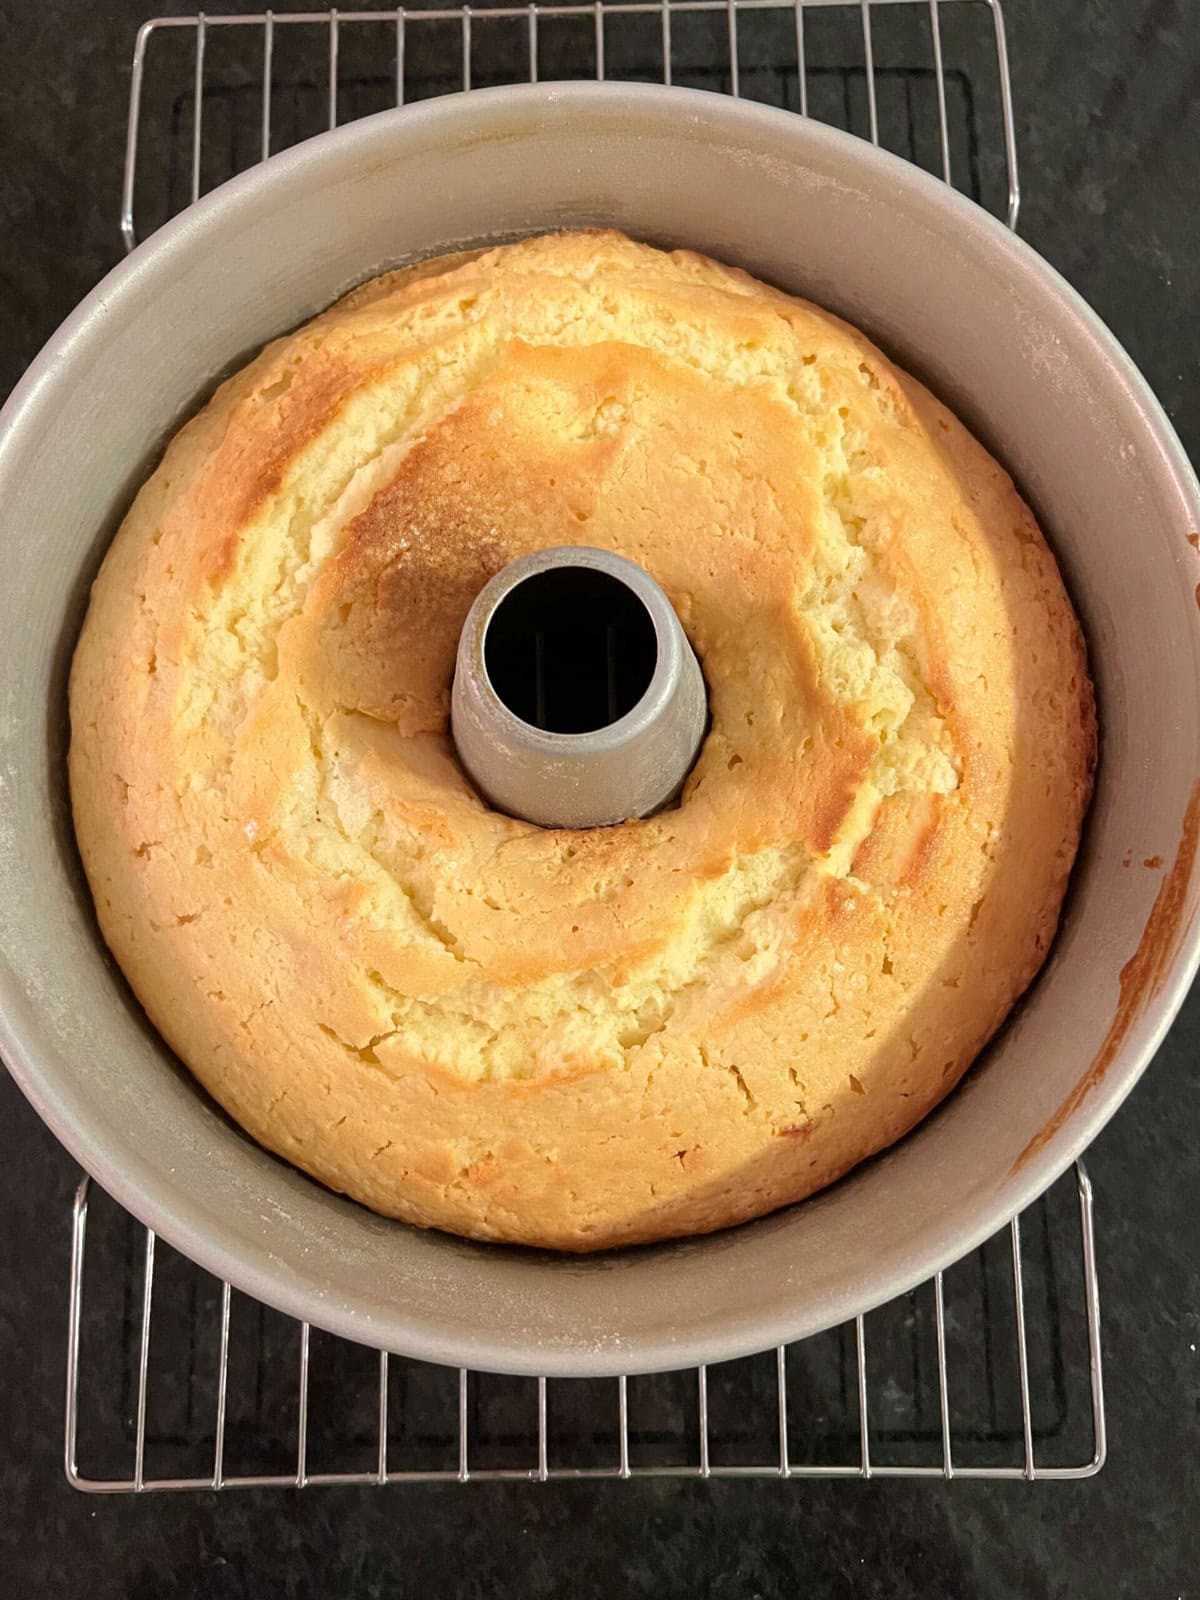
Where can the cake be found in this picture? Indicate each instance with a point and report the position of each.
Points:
(578, 1039)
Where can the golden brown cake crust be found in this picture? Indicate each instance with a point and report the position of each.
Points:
(592, 1038)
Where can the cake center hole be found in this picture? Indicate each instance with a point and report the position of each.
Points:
(570, 649)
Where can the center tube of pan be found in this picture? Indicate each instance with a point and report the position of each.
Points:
(578, 701)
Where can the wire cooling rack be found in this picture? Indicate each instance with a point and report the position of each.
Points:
(993, 1369)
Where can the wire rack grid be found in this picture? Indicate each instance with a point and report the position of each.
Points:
(916, 1390)
(476, 27)
(993, 1370)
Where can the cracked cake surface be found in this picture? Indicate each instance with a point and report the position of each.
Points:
(578, 1039)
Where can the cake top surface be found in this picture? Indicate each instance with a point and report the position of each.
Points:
(447, 1011)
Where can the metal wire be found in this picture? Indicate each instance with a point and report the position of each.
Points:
(218, 1477)
(939, 72)
(198, 104)
(1022, 1345)
(606, 18)
(623, 1467)
(782, 1414)
(268, 60)
(943, 1379)
(779, 1458)
(139, 1453)
(864, 1422)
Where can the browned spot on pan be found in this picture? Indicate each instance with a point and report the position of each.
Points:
(1194, 540)
(1142, 976)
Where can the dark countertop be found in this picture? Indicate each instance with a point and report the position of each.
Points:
(1108, 117)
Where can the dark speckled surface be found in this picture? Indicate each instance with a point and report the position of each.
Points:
(1108, 114)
